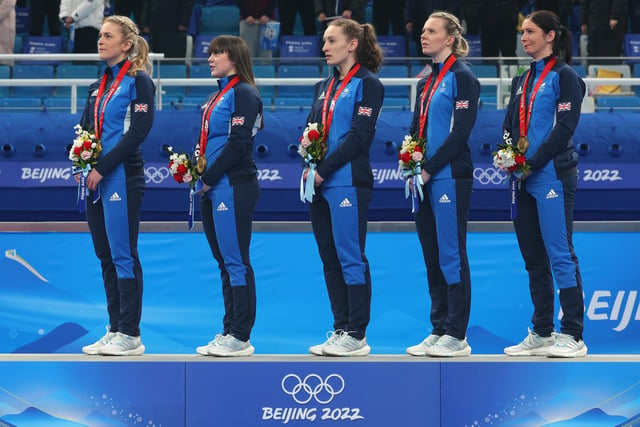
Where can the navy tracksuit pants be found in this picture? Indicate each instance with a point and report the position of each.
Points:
(227, 215)
(114, 222)
(441, 223)
(339, 222)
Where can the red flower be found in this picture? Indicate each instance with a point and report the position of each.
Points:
(86, 145)
(520, 160)
(77, 150)
(313, 135)
(178, 178)
(182, 169)
(417, 149)
(405, 157)
(514, 167)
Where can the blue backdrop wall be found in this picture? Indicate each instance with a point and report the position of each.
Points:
(36, 184)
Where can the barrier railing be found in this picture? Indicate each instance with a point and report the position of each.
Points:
(502, 84)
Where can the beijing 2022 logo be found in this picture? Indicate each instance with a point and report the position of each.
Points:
(312, 394)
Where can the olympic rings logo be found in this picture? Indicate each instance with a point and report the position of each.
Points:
(156, 175)
(312, 387)
(489, 176)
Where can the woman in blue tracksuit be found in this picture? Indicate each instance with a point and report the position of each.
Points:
(347, 104)
(120, 109)
(229, 187)
(444, 114)
(545, 118)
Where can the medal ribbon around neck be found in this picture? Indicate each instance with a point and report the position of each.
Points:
(525, 114)
(327, 113)
(204, 126)
(424, 108)
(103, 84)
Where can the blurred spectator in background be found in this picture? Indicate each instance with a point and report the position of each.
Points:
(349, 9)
(167, 22)
(129, 8)
(470, 13)
(7, 27)
(416, 13)
(83, 18)
(634, 15)
(389, 11)
(287, 10)
(499, 27)
(604, 21)
(37, 12)
(253, 15)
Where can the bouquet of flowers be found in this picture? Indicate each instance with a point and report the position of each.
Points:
(509, 158)
(410, 161)
(312, 148)
(85, 150)
(182, 168)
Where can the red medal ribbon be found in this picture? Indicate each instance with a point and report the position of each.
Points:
(525, 115)
(103, 83)
(327, 116)
(424, 108)
(208, 109)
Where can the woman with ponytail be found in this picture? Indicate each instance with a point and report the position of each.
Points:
(346, 105)
(120, 110)
(444, 115)
(541, 118)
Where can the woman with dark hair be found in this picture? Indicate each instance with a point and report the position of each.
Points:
(541, 118)
(347, 106)
(229, 188)
(120, 110)
(444, 115)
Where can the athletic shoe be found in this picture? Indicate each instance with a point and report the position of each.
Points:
(422, 349)
(346, 345)
(204, 349)
(229, 346)
(318, 349)
(93, 349)
(532, 345)
(566, 346)
(123, 345)
(448, 346)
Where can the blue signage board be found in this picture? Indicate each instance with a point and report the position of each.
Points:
(313, 393)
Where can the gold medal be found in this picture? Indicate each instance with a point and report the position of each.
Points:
(201, 164)
(523, 144)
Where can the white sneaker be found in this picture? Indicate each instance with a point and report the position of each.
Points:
(228, 346)
(204, 349)
(346, 345)
(566, 346)
(448, 346)
(422, 349)
(532, 345)
(93, 349)
(123, 345)
(318, 349)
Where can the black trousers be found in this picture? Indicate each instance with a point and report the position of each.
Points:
(287, 11)
(85, 40)
(50, 9)
(388, 11)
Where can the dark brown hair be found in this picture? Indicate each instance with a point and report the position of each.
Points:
(238, 51)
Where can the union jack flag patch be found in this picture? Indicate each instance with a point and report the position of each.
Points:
(564, 106)
(462, 105)
(237, 121)
(365, 111)
(140, 108)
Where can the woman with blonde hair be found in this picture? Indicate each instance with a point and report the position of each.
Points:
(120, 110)
(444, 115)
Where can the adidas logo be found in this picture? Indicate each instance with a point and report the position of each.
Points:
(115, 197)
(222, 207)
(444, 199)
(345, 203)
(552, 194)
